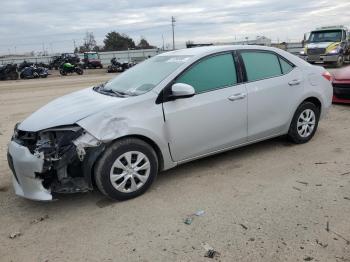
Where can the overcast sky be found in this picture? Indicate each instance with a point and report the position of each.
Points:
(54, 25)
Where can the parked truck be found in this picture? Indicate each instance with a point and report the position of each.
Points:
(328, 45)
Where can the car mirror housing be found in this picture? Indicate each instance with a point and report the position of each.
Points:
(180, 90)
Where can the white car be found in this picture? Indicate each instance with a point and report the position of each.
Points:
(168, 110)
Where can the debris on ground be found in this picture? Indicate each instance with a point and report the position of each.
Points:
(37, 220)
(346, 173)
(321, 244)
(199, 213)
(318, 184)
(14, 235)
(347, 198)
(347, 241)
(296, 188)
(245, 227)
(210, 251)
(321, 163)
(188, 220)
(302, 182)
(308, 259)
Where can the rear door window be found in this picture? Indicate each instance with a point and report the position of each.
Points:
(261, 65)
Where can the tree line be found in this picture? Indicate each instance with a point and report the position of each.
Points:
(113, 41)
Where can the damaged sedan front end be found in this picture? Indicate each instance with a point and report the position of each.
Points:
(54, 160)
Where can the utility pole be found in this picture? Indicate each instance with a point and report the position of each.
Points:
(163, 41)
(173, 26)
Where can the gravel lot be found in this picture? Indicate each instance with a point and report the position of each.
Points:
(271, 201)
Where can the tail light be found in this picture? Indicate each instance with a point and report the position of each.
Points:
(327, 75)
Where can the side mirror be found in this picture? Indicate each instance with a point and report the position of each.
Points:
(180, 90)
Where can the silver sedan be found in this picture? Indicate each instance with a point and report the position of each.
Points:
(168, 110)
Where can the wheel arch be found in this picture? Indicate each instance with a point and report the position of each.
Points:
(315, 101)
(96, 155)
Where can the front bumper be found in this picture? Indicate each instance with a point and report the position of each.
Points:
(24, 166)
(341, 91)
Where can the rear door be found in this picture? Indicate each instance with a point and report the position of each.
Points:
(213, 119)
(273, 86)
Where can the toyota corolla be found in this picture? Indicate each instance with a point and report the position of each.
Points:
(168, 110)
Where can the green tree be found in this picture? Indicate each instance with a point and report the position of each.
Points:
(116, 42)
(143, 44)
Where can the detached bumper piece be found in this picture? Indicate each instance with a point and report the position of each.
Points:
(25, 166)
(52, 161)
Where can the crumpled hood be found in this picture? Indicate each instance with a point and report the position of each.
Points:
(68, 109)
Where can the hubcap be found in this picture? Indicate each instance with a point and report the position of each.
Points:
(306, 123)
(130, 171)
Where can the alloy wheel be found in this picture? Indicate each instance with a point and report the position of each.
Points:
(306, 123)
(130, 171)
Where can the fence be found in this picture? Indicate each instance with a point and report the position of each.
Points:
(129, 55)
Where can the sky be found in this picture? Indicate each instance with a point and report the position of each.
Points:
(54, 25)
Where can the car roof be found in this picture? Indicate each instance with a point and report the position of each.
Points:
(198, 52)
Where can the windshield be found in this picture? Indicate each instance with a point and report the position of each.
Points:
(326, 36)
(92, 56)
(146, 75)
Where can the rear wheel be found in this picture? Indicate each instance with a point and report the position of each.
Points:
(63, 72)
(304, 123)
(126, 169)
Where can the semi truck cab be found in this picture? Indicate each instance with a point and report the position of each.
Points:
(328, 45)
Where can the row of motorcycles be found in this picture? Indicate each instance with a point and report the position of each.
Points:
(28, 70)
(24, 71)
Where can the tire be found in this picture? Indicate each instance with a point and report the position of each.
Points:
(79, 71)
(340, 61)
(296, 133)
(63, 72)
(105, 168)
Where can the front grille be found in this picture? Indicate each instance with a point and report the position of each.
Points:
(316, 51)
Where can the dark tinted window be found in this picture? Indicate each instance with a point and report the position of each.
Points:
(260, 65)
(211, 73)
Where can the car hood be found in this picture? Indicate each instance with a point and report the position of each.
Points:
(319, 45)
(68, 109)
(342, 74)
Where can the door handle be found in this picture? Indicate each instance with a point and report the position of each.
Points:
(236, 97)
(294, 82)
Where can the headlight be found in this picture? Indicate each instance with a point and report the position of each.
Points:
(15, 130)
(302, 52)
(334, 51)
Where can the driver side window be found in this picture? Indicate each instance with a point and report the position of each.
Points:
(211, 73)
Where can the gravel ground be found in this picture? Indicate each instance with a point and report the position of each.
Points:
(272, 201)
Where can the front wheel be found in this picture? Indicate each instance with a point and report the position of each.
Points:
(63, 72)
(79, 71)
(304, 123)
(126, 169)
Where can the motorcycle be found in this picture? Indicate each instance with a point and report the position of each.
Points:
(68, 68)
(32, 71)
(8, 72)
(117, 66)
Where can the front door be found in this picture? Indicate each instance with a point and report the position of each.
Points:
(215, 118)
